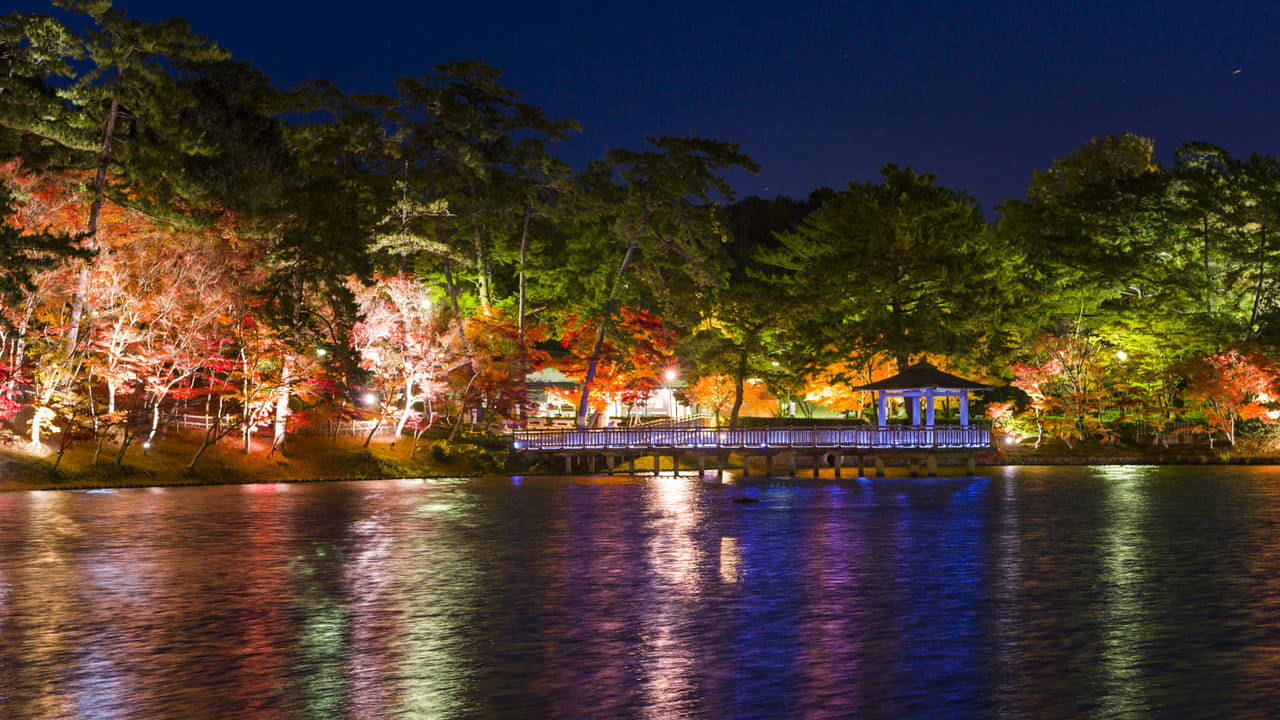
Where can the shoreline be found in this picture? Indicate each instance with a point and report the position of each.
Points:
(33, 478)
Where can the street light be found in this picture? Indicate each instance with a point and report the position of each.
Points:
(671, 394)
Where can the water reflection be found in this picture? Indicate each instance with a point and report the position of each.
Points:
(1119, 592)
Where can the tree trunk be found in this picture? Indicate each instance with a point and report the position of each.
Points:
(1257, 292)
(739, 380)
(95, 215)
(125, 440)
(408, 408)
(462, 409)
(247, 419)
(584, 406)
(369, 438)
(337, 425)
(282, 404)
(155, 420)
(450, 288)
(483, 271)
(1208, 268)
(524, 248)
(213, 432)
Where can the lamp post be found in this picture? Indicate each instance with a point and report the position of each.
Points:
(671, 396)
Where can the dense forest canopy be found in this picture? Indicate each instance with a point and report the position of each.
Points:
(179, 233)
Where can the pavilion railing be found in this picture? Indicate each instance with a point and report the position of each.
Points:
(855, 437)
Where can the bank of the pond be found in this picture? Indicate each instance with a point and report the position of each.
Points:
(309, 459)
(302, 460)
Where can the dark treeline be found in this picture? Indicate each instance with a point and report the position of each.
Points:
(182, 234)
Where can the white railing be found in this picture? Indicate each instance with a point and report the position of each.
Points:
(865, 437)
(361, 428)
(698, 419)
(356, 428)
(199, 422)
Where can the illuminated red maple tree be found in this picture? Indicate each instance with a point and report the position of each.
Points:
(1231, 386)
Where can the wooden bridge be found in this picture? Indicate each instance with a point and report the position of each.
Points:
(912, 441)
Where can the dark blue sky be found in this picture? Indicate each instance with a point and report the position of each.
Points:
(820, 93)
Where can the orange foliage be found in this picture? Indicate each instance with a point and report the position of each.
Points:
(632, 361)
(500, 362)
(712, 393)
(831, 387)
(1231, 386)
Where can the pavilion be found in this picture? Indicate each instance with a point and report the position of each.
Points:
(922, 382)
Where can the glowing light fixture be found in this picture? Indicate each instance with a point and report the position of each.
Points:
(370, 398)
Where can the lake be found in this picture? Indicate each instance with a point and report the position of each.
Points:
(1111, 592)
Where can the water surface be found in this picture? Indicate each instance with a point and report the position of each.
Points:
(1032, 592)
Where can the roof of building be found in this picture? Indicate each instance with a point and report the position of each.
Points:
(923, 375)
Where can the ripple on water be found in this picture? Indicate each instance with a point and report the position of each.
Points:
(1059, 592)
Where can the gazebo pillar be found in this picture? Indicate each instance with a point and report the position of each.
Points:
(964, 408)
(928, 407)
(915, 407)
(882, 414)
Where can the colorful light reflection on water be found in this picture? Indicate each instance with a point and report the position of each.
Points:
(1034, 592)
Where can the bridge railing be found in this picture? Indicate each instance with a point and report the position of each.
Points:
(868, 437)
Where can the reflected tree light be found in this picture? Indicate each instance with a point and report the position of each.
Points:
(730, 559)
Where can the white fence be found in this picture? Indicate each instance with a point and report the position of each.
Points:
(353, 428)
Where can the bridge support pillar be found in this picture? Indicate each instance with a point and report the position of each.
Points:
(746, 465)
(839, 464)
(675, 464)
(862, 465)
(657, 464)
(793, 464)
(879, 466)
(608, 461)
(591, 464)
(720, 463)
(913, 466)
(568, 464)
(971, 464)
(932, 460)
(702, 465)
(817, 464)
(631, 464)
(768, 466)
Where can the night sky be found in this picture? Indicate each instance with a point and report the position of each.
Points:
(819, 93)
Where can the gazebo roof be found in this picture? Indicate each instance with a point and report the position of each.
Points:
(923, 375)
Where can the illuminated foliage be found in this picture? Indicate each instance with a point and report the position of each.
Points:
(714, 393)
(629, 365)
(406, 344)
(500, 364)
(831, 386)
(1065, 382)
(1231, 386)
